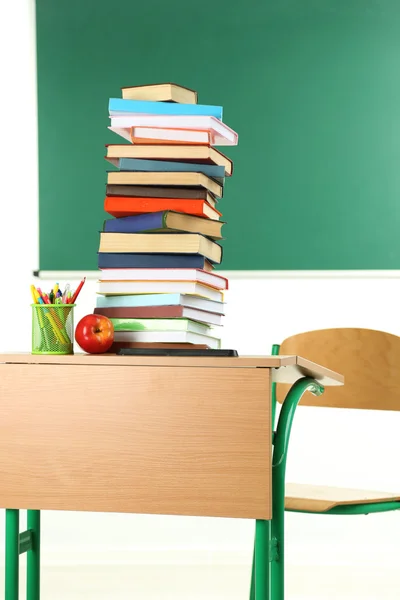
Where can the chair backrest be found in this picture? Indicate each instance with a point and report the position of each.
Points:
(369, 361)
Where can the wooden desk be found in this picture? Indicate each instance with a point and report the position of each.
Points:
(184, 436)
(148, 435)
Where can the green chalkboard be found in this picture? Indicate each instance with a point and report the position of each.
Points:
(311, 86)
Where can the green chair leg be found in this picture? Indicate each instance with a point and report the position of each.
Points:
(33, 557)
(281, 444)
(268, 571)
(12, 555)
(278, 549)
(262, 566)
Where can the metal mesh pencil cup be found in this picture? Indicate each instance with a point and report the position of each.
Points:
(52, 328)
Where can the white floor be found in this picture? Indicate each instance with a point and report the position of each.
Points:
(211, 583)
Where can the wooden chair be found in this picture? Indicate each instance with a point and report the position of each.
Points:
(370, 363)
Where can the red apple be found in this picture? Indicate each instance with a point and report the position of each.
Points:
(94, 334)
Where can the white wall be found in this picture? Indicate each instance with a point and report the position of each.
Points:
(328, 446)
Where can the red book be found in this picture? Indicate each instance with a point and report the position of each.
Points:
(122, 206)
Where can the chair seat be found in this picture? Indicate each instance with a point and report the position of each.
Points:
(319, 499)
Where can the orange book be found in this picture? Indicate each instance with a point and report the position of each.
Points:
(122, 206)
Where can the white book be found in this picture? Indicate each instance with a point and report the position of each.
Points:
(202, 316)
(221, 134)
(195, 302)
(211, 279)
(115, 288)
(167, 135)
(167, 337)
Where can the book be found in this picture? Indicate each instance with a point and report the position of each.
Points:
(143, 191)
(191, 153)
(125, 288)
(116, 346)
(184, 352)
(124, 206)
(219, 133)
(170, 178)
(160, 312)
(216, 172)
(184, 300)
(160, 92)
(212, 279)
(160, 325)
(174, 337)
(121, 106)
(135, 260)
(154, 243)
(142, 136)
(167, 220)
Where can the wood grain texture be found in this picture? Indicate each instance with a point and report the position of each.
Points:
(155, 440)
(369, 361)
(315, 498)
(287, 369)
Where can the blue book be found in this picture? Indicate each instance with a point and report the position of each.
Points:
(163, 222)
(136, 224)
(137, 164)
(119, 106)
(120, 260)
(159, 300)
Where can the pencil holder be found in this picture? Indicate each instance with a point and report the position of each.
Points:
(52, 328)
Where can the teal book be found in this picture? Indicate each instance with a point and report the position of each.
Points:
(118, 106)
(161, 166)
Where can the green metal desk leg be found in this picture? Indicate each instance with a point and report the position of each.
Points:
(12, 554)
(33, 557)
(274, 352)
(261, 562)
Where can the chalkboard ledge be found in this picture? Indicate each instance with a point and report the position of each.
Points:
(339, 274)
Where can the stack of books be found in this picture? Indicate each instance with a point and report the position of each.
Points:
(157, 255)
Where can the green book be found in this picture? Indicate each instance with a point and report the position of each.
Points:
(160, 325)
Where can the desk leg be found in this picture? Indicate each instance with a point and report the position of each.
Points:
(33, 557)
(12, 554)
(262, 565)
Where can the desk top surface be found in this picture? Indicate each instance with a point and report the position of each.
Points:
(285, 369)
